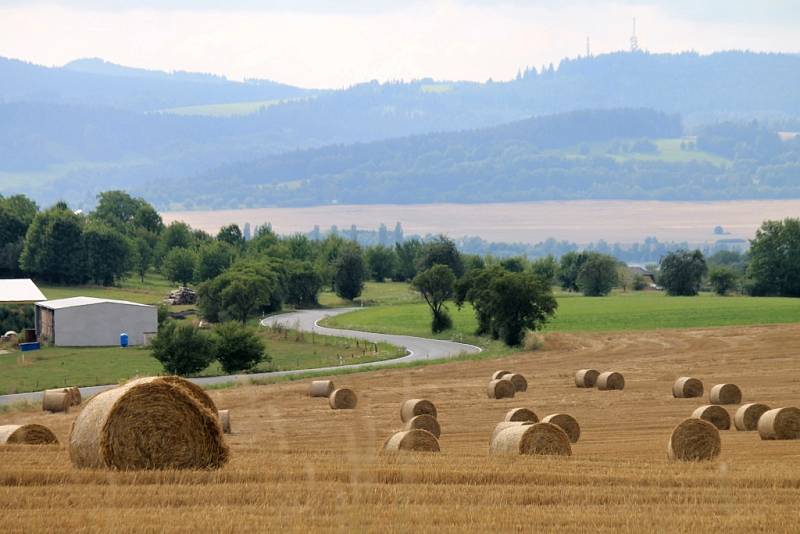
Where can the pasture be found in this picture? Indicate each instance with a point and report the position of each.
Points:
(297, 465)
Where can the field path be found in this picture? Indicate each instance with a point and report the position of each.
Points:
(417, 349)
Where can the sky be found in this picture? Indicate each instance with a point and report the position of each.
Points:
(327, 44)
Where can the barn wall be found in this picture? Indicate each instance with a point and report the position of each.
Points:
(99, 325)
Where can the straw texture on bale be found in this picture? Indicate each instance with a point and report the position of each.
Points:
(687, 387)
(747, 416)
(27, 434)
(499, 427)
(225, 421)
(321, 388)
(694, 440)
(56, 400)
(75, 398)
(780, 423)
(520, 384)
(500, 389)
(149, 423)
(725, 394)
(424, 422)
(414, 407)
(521, 414)
(343, 399)
(610, 380)
(536, 438)
(716, 415)
(500, 374)
(586, 378)
(416, 440)
(195, 391)
(567, 423)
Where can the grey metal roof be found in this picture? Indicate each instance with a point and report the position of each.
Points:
(19, 290)
(74, 302)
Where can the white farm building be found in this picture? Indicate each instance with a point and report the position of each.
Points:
(93, 322)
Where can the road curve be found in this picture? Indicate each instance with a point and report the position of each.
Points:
(417, 349)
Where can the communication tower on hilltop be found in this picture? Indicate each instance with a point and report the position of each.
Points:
(634, 40)
(588, 48)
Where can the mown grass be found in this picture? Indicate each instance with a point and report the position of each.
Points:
(374, 294)
(152, 291)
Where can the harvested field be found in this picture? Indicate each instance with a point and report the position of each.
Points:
(298, 465)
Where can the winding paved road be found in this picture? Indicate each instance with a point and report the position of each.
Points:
(417, 349)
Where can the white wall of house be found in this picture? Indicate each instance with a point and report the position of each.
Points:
(99, 325)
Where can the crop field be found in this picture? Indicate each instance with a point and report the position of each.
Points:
(297, 465)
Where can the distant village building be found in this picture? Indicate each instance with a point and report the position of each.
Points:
(648, 277)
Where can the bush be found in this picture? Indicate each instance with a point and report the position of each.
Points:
(682, 272)
(349, 274)
(238, 348)
(183, 349)
(722, 280)
(598, 275)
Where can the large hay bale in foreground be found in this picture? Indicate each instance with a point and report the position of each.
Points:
(500, 374)
(725, 394)
(780, 423)
(225, 420)
(424, 422)
(149, 423)
(610, 380)
(520, 384)
(535, 438)
(694, 440)
(521, 414)
(196, 392)
(747, 416)
(414, 407)
(32, 434)
(416, 440)
(321, 388)
(343, 399)
(567, 423)
(56, 400)
(687, 387)
(586, 378)
(500, 389)
(716, 415)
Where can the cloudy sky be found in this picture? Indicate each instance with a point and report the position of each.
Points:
(316, 43)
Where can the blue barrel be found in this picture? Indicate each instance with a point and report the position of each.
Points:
(123, 340)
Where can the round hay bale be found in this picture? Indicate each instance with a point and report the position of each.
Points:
(500, 389)
(521, 414)
(321, 388)
(780, 423)
(610, 380)
(27, 434)
(716, 415)
(149, 423)
(56, 400)
(520, 384)
(694, 440)
(414, 407)
(196, 392)
(497, 375)
(687, 387)
(586, 378)
(416, 440)
(225, 420)
(747, 416)
(567, 423)
(343, 399)
(725, 394)
(499, 427)
(75, 396)
(424, 422)
(534, 438)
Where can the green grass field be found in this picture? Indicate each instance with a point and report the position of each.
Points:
(374, 294)
(154, 289)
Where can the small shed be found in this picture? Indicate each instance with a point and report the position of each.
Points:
(19, 291)
(93, 322)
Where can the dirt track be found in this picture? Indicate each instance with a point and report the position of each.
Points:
(298, 465)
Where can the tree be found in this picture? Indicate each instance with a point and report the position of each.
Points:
(238, 348)
(436, 285)
(598, 275)
(217, 305)
(12, 227)
(182, 348)
(244, 294)
(775, 259)
(54, 248)
(570, 268)
(380, 262)
(212, 260)
(176, 235)
(682, 272)
(109, 253)
(473, 287)
(514, 265)
(143, 258)
(722, 279)
(349, 273)
(519, 301)
(303, 285)
(441, 251)
(545, 268)
(406, 254)
(116, 209)
(178, 266)
(232, 235)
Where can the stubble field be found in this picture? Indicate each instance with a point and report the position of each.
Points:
(297, 465)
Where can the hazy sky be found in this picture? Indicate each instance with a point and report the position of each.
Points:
(317, 43)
